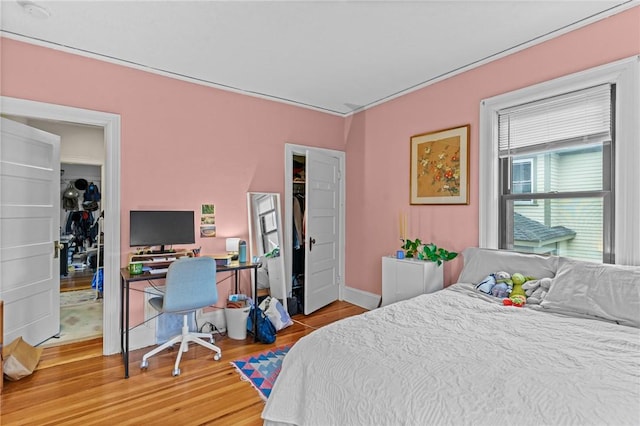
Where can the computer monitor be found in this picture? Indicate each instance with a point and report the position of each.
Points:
(161, 228)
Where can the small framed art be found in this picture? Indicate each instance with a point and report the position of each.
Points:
(439, 170)
(208, 221)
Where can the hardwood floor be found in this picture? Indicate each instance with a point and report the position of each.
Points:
(76, 280)
(76, 385)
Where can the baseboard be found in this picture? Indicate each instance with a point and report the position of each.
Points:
(142, 336)
(361, 298)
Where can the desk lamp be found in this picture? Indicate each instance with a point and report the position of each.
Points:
(232, 247)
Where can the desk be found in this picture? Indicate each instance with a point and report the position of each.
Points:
(125, 286)
(236, 267)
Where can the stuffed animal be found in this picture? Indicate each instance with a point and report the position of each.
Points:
(509, 287)
(536, 290)
(516, 300)
(502, 276)
(487, 284)
(503, 284)
(518, 280)
(497, 285)
(500, 290)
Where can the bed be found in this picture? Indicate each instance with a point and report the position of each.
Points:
(459, 356)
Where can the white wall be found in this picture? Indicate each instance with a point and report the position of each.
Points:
(79, 144)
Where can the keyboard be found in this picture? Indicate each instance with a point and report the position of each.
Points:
(158, 270)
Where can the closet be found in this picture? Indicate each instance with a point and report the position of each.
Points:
(298, 230)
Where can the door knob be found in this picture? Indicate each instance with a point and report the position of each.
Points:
(312, 241)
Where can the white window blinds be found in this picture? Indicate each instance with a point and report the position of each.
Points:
(581, 117)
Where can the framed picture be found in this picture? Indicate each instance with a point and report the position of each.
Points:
(440, 167)
(208, 221)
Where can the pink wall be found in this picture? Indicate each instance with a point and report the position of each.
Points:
(377, 147)
(185, 144)
(182, 144)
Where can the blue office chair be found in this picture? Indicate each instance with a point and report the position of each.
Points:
(190, 285)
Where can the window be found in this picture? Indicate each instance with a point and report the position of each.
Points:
(522, 176)
(570, 137)
(558, 168)
(266, 210)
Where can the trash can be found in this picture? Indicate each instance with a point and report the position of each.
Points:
(237, 322)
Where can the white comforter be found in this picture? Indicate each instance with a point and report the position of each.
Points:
(454, 358)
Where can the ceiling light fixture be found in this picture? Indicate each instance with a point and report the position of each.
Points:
(34, 9)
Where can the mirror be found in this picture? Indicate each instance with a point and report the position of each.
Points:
(265, 242)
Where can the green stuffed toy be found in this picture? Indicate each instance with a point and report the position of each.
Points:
(517, 295)
(518, 279)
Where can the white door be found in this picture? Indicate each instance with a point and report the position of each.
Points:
(322, 204)
(29, 232)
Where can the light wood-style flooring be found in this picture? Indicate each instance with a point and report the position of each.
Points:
(76, 280)
(75, 385)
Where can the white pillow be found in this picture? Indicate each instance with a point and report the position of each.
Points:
(480, 262)
(606, 291)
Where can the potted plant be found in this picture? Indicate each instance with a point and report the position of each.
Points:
(417, 249)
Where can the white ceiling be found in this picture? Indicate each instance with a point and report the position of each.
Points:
(336, 56)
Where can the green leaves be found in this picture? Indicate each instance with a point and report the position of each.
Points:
(412, 247)
(416, 249)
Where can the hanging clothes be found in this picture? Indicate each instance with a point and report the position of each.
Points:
(80, 224)
(298, 234)
(297, 221)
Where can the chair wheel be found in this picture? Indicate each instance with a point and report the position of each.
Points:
(144, 364)
(175, 372)
(217, 357)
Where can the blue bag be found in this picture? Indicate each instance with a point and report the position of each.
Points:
(98, 280)
(266, 332)
(92, 193)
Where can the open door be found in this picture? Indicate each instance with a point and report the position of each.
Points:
(30, 230)
(322, 205)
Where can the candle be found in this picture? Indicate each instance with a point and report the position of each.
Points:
(404, 226)
(402, 220)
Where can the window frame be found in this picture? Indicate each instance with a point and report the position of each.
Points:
(625, 75)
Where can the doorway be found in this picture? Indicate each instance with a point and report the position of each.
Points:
(82, 254)
(316, 276)
(81, 156)
(110, 123)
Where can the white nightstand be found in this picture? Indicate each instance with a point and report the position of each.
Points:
(406, 278)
